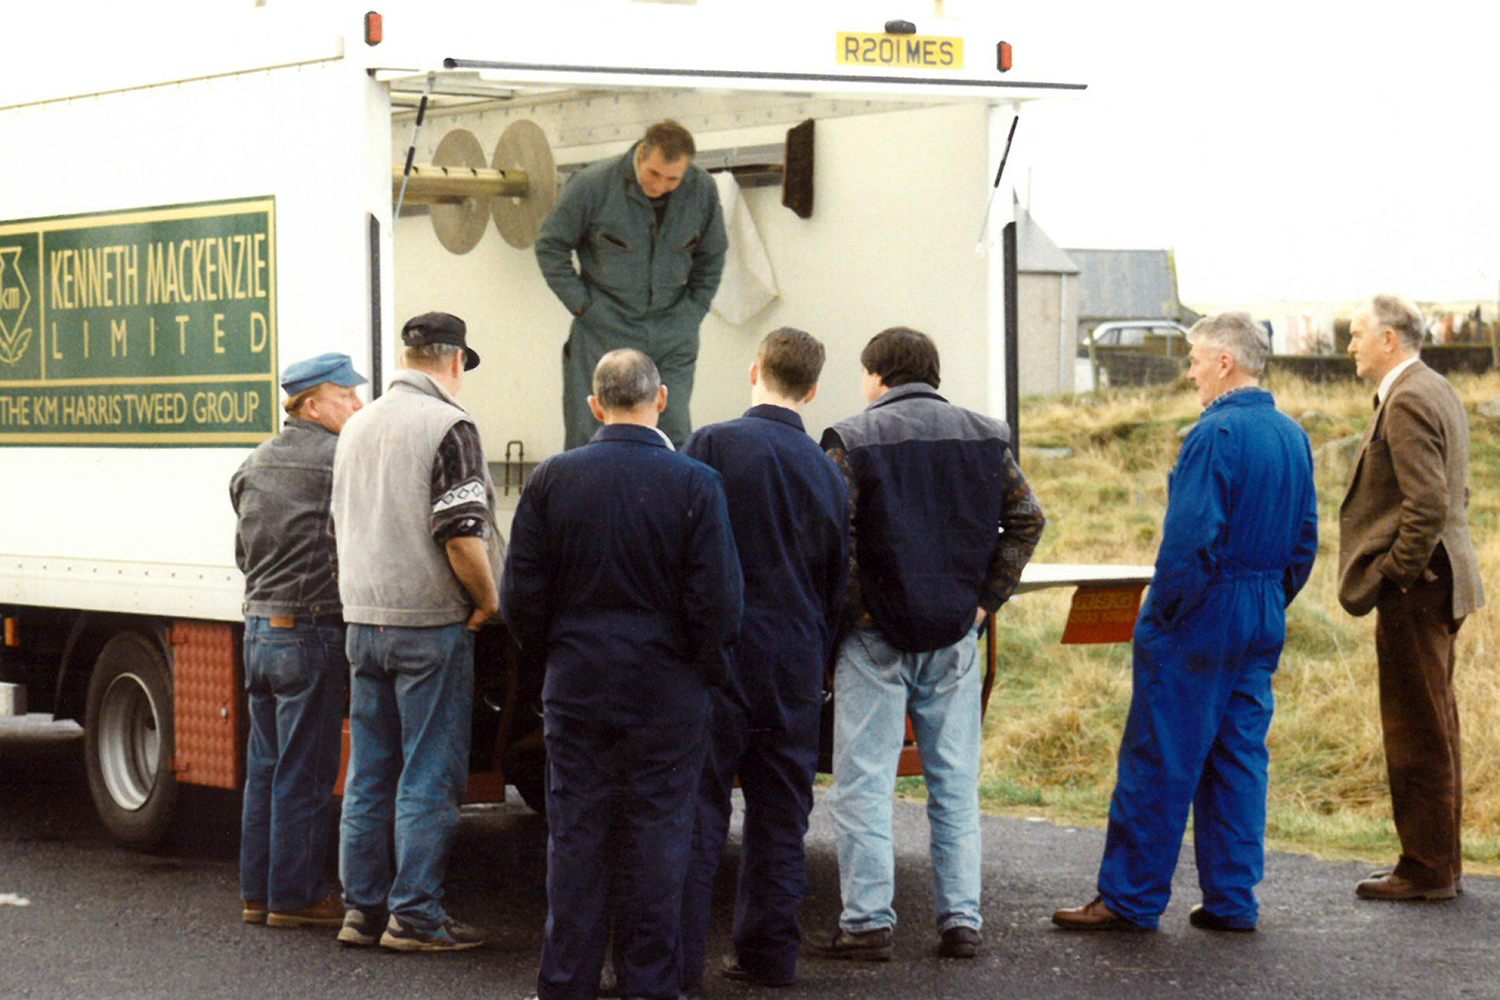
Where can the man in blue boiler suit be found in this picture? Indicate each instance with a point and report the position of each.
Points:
(789, 510)
(1240, 535)
(622, 571)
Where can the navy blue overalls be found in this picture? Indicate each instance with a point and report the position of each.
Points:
(1239, 540)
(789, 508)
(622, 567)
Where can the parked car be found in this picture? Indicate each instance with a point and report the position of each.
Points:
(1153, 336)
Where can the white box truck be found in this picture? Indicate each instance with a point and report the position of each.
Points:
(186, 206)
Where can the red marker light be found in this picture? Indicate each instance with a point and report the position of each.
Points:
(1003, 56)
(374, 28)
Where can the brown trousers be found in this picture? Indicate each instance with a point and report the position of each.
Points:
(1414, 636)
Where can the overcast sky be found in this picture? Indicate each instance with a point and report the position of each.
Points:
(1287, 151)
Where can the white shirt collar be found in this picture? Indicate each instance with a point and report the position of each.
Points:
(1390, 377)
(664, 439)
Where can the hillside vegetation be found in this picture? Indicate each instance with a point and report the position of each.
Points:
(1057, 711)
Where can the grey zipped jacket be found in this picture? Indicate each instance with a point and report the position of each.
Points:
(633, 275)
(281, 543)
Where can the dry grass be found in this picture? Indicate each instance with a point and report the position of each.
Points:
(1057, 711)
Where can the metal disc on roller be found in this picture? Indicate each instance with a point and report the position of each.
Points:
(523, 146)
(459, 227)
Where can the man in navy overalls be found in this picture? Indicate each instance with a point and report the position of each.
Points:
(789, 509)
(622, 571)
(1240, 535)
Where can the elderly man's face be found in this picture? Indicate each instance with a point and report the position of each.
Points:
(1209, 367)
(332, 405)
(657, 175)
(1370, 343)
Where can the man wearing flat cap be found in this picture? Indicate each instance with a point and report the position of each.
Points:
(294, 648)
(413, 511)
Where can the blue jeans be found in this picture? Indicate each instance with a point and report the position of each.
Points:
(410, 699)
(875, 687)
(295, 680)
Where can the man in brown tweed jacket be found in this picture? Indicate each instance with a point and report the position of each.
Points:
(1405, 550)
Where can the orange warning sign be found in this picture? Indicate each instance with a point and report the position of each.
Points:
(1103, 614)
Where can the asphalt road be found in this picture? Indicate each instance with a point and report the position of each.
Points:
(103, 922)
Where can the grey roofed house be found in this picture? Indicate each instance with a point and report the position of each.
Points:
(1125, 284)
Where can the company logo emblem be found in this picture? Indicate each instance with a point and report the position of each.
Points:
(15, 299)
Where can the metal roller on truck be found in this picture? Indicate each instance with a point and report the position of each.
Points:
(247, 215)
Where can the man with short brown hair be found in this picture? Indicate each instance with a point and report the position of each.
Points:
(1405, 551)
(649, 234)
(788, 507)
(943, 524)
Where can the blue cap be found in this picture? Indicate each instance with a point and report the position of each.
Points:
(299, 376)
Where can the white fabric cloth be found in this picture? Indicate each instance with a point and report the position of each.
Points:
(1390, 377)
(748, 285)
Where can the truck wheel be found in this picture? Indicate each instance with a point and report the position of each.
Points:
(128, 740)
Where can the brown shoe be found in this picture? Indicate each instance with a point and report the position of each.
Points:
(253, 911)
(1096, 916)
(1393, 886)
(1458, 880)
(328, 913)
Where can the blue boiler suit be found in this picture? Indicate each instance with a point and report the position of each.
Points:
(622, 570)
(789, 509)
(1238, 543)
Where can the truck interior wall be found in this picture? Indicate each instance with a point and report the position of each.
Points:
(899, 201)
(305, 135)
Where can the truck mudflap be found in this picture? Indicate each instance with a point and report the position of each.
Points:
(207, 680)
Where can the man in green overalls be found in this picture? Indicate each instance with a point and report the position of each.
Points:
(649, 235)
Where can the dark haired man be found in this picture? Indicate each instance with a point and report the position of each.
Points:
(943, 523)
(789, 509)
(649, 234)
(622, 572)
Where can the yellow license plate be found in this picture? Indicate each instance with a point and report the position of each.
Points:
(857, 48)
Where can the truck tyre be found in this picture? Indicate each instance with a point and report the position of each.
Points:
(128, 740)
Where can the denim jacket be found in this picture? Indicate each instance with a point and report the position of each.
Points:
(282, 543)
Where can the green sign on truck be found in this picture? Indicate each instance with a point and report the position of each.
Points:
(144, 326)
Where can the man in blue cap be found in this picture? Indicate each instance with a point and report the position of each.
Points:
(294, 648)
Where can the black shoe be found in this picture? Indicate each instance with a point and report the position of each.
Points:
(861, 946)
(959, 942)
(1206, 920)
(449, 936)
(730, 968)
(361, 927)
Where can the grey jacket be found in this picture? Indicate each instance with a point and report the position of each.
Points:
(394, 571)
(281, 543)
(636, 280)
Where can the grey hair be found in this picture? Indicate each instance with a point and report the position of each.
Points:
(1400, 314)
(1238, 335)
(625, 379)
(428, 357)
